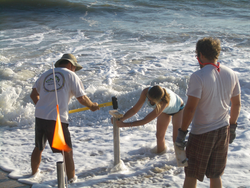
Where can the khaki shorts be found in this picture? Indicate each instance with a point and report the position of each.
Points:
(207, 154)
(44, 130)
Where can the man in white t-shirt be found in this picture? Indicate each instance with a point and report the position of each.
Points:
(210, 92)
(68, 84)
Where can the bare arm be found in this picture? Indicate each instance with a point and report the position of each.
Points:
(235, 109)
(34, 96)
(137, 106)
(189, 111)
(152, 115)
(84, 100)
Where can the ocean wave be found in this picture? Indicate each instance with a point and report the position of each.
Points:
(113, 6)
(43, 5)
(59, 6)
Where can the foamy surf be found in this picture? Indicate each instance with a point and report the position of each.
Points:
(123, 47)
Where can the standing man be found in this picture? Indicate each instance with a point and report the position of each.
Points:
(68, 84)
(210, 91)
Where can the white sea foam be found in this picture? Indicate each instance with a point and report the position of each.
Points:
(123, 48)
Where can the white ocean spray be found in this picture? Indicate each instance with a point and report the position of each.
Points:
(123, 47)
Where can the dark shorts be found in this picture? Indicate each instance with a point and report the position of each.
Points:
(207, 154)
(44, 130)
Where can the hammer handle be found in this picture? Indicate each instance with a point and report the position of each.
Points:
(87, 108)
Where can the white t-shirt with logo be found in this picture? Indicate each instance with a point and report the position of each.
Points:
(68, 84)
(214, 89)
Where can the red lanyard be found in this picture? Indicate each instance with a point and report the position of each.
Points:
(217, 66)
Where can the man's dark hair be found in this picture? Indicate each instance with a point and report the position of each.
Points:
(209, 47)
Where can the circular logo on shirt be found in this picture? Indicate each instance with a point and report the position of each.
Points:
(48, 83)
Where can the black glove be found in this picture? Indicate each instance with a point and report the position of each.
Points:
(180, 140)
(232, 132)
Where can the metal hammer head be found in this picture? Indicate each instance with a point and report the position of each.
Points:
(114, 102)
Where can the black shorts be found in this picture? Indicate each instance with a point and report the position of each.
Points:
(44, 130)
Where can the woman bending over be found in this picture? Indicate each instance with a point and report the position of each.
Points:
(166, 104)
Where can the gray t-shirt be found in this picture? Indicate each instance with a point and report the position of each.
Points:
(68, 84)
(214, 89)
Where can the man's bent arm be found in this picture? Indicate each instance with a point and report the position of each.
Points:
(189, 111)
(84, 100)
(235, 109)
(34, 95)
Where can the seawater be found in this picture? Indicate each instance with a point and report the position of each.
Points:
(123, 46)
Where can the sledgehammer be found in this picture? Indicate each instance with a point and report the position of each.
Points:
(114, 103)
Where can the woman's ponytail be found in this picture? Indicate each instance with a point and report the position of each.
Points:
(166, 97)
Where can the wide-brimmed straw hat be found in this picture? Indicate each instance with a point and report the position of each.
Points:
(72, 59)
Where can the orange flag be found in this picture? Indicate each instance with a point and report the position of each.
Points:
(58, 139)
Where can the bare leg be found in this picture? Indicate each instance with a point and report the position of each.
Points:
(190, 182)
(177, 120)
(70, 166)
(163, 121)
(215, 183)
(35, 159)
